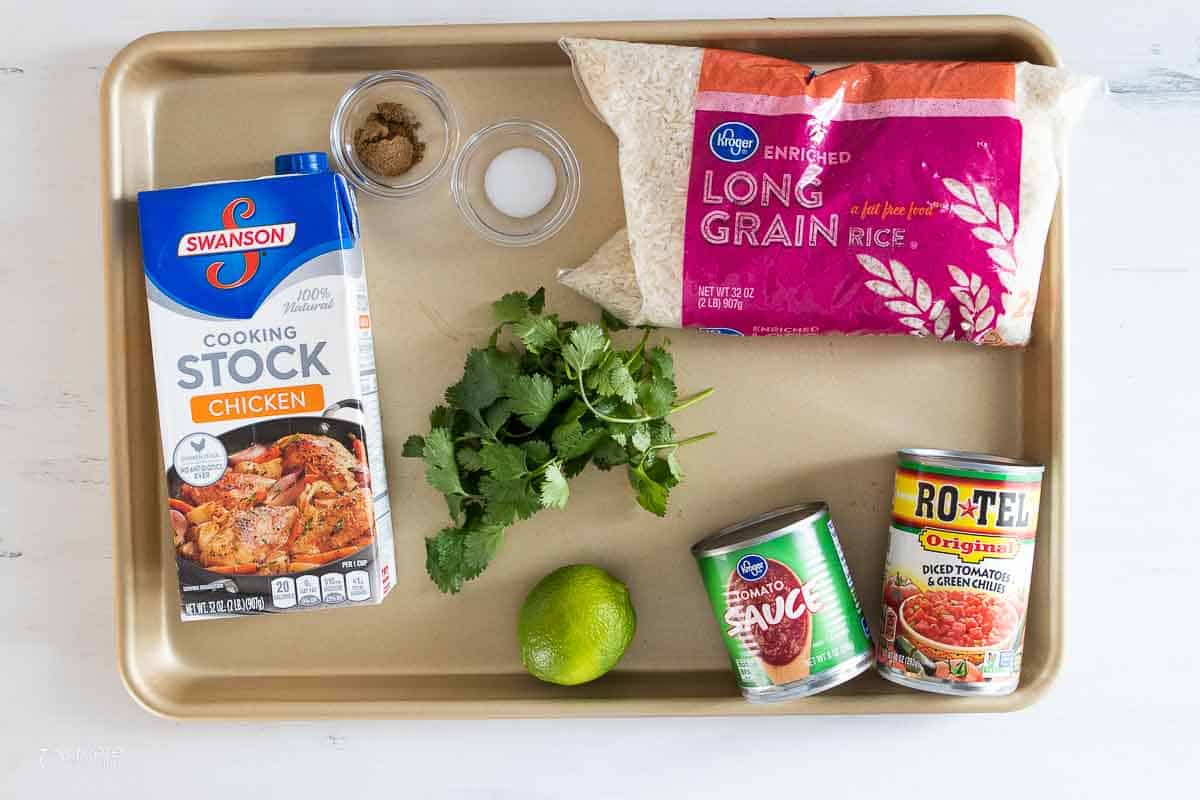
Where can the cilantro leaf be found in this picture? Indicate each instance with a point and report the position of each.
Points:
(609, 453)
(606, 406)
(656, 396)
(531, 398)
(440, 468)
(662, 363)
(537, 301)
(506, 364)
(478, 427)
(537, 452)
(510, 308)
(554, 487)
(454, 504)
(611, 322)
(574, 412)
(640, 439)
(563, 392)
(660, 472)
(574, 466)
(505, 462)
(468, 459)
(508, 500)
(572, 440)
(661, 431)
(414, 447)
(596, 378)
(535, 332)
(444, 559)
(479, 387)
(566, 435)
(584, 347)
(619, 433)
(674, 466)
(617, 380)
(455, 556)
(442, 417)
(497, 414)
(651, 495)
(480, 547)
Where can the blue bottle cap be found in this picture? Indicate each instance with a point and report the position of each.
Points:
(301, 163)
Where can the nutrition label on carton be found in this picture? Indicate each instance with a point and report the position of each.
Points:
(374, 431)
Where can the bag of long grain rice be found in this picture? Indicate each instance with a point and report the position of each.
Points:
(762, 198)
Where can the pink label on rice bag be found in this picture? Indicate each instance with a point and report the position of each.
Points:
(847, 208)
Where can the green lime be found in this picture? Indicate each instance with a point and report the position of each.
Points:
(575, 625)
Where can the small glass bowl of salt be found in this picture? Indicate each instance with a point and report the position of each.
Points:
(516, 182)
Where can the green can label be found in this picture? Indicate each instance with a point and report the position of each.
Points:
(786, 606)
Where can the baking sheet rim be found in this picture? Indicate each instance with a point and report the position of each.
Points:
(157, 44)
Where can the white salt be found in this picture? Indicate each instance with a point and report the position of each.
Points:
(520, 182)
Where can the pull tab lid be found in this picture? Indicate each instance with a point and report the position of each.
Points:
(301, 163)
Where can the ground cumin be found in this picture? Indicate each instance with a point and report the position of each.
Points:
(387, 142)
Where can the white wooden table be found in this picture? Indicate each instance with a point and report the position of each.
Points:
(1120, 721)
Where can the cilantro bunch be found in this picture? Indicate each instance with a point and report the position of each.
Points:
(529, 415)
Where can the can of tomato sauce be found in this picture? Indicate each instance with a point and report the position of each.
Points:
(956, 581)
(785, 603)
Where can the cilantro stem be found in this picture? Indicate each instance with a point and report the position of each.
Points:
(637, 351)
(488, 434)
(677, 406)
(700, 437)
(680, 405)
(620, 420)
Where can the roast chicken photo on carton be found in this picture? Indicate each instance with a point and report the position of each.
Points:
(286, 507)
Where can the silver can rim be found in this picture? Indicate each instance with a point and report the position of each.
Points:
(994, 688)
(831, 678)
(749, 532)
(968, 459)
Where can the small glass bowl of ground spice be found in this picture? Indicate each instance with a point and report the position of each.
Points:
(516, 182)
(393, 133)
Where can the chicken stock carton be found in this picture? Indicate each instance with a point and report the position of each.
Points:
(268, 401)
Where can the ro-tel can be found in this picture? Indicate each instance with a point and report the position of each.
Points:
(956, 582)
(784, 599)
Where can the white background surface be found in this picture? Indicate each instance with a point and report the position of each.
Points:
(1121, 719)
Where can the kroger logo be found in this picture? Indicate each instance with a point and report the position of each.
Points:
(733, 141)
(752, 567)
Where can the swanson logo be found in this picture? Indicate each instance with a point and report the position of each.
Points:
(733, 142)
(232, 239)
